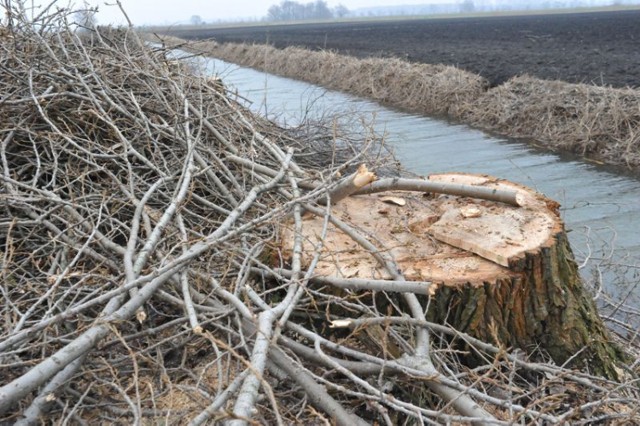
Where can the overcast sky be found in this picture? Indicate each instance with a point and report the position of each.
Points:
(173, 11)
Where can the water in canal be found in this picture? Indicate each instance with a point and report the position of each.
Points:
(601, 207)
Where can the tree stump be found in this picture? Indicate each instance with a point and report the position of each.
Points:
(498, 272)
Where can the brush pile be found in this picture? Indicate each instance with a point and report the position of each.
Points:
(139, 208)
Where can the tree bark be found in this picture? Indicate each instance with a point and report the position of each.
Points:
(542, 307)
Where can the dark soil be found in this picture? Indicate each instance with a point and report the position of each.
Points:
(600, 48)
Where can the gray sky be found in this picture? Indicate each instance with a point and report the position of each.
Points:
(172, 11)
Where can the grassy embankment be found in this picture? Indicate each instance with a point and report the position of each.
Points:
(599, 123)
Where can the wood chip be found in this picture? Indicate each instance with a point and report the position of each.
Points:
(394, 200)
(470, 211)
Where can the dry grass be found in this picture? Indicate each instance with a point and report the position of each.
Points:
(596, 122)
(430, 89)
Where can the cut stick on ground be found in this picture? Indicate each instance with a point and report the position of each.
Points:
(481, 192)
(417, 287)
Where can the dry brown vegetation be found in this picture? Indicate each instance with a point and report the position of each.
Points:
(433, 89)
(596, 122)
(592, 121)
(139, 204)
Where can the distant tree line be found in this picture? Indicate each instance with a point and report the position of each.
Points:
(293, 11)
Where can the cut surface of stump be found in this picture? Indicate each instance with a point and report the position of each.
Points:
(497, 271)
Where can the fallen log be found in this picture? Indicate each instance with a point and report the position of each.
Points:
(500, 273)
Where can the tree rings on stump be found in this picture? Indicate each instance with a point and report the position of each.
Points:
(497, 272)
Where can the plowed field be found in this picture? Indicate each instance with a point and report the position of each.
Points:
(600, 48)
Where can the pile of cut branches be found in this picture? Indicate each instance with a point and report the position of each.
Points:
(139, 208)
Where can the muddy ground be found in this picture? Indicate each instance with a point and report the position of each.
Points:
(597, 48)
